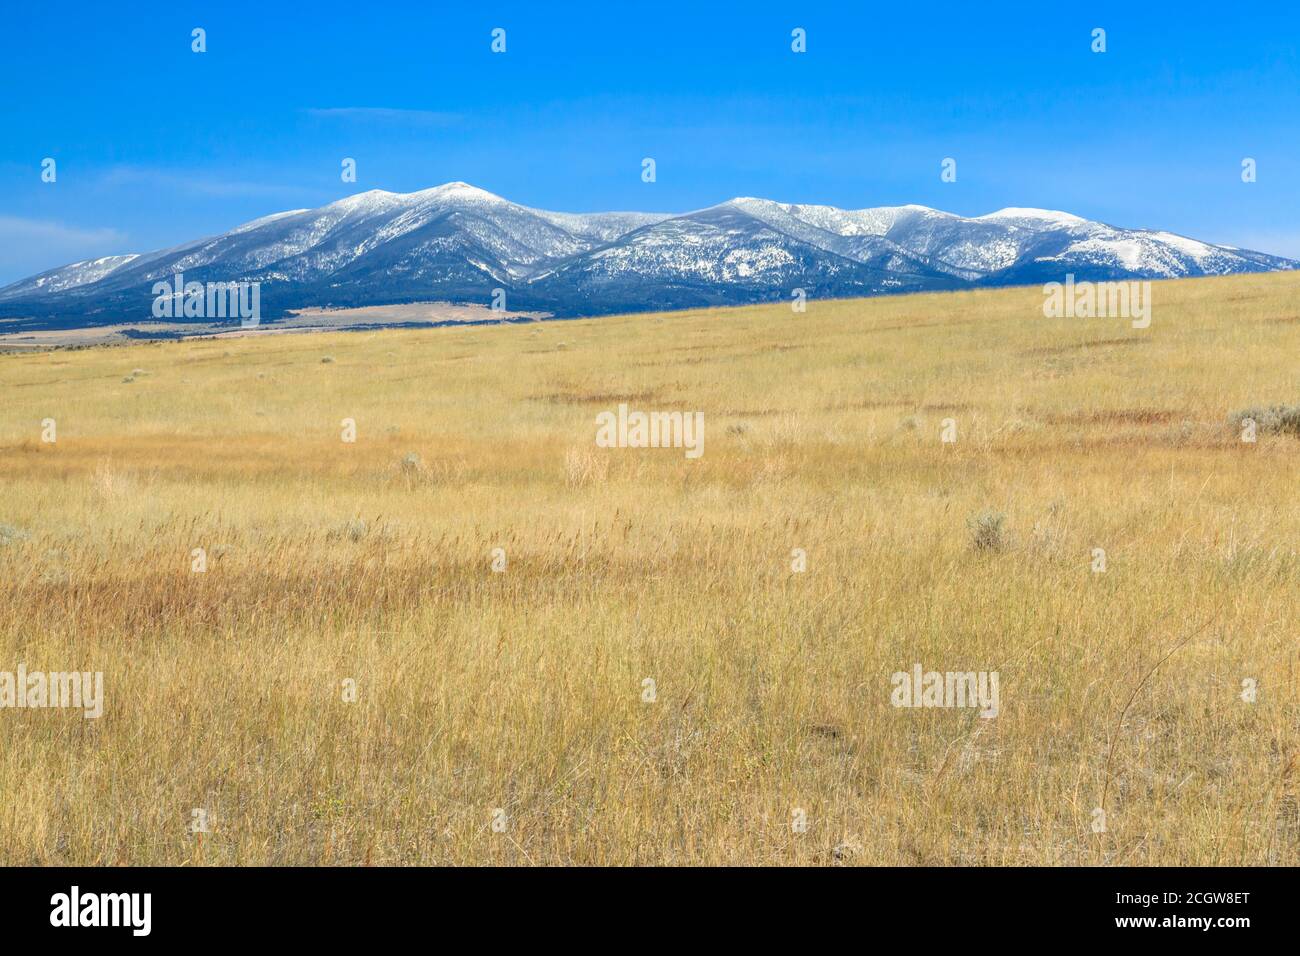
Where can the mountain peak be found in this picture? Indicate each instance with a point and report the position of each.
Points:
(461, 191)
(368, 200)
(379, 199)
(1019, 212)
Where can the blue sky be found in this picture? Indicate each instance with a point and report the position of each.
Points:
(156, 144)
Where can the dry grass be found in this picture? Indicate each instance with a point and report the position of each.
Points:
(523, 690)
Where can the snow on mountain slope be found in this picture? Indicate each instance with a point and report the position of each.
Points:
(457, 241)
(66, 277)
(746, 243)
(1016, 215)
(602, 226)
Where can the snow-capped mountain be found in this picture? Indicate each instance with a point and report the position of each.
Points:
(458, 243)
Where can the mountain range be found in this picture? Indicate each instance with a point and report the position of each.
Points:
(457, 243)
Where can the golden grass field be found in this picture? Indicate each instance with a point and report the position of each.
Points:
(522, 691)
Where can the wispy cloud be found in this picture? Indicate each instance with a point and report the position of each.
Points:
(385, 114)
(195, 182)
(29, 246)
(13, 228)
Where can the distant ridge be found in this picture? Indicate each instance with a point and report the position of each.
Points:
(458, 243)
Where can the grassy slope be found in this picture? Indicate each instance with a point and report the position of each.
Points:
(523, 690)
